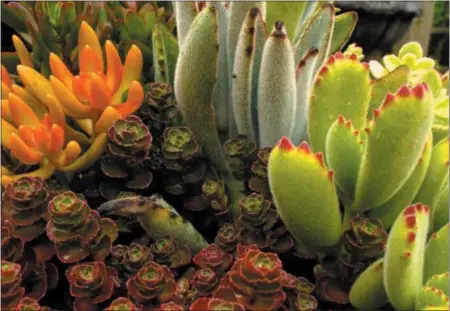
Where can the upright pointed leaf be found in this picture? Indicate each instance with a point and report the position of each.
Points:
(317, 34)
(308, 12)
(343, 154)
(276, 88)
(248, 55)
(304, 77)
(394, 145)
(344, 25)
(165, 53)
(441, 211)
(389, 211)
(185, 12)
(342, 87)
(404, 256)
(299, 178)
(437, 253)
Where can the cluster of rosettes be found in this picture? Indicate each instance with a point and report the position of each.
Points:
(130, 142)
(167, 252)
(25, 206)
(77, 230)
(240, 153)
(91, 283)
(259, 180)
(362, 244)
(129, 259)
(11, 280)
(260, 224)
(226, 238)
(184, 168)
(214, 258)
(159, 109)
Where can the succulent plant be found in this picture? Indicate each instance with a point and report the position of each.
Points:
(215, 304)
(12, 247)
(167, 252)
(185, 293)
(215, 258)
(226, 238)
(130, 142)
(25, 205)
(28, 303)
(122, 303)
(12, 293)
(299, 293)
(214, 192)
(159, 109)
(51, 27)
(240, 153)
(148, 26)
(78, 231)
(255, 280)
(184, 167)
(170, 306)
(206, 281)
(259, 180)
(152, 285)
(260, 224)
(90, 283)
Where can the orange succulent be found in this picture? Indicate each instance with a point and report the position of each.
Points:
(95, 94)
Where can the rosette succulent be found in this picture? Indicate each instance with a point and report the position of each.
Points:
(299, 293)
(169, 306)
(91, 283)
(215, 258)
(259, 181)
(78, 231)
(260, 224)
(122, 303)
(206, 281)
(214, 193)
(25, 205)
(167, 252)
(215, 304)
(184, 168)
(240, 153)
(185, 293)
(130, 142)
(255, 280)
(226, 238)
(28, 303)
(12, 247)
(152, 285)
(134, 258)
(159, 109)
(12, 293)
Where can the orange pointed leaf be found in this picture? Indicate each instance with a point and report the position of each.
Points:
(109, 115)
(57, 139)
(21, 113)
(38, 107)
(82, 87)
(6, 113)
(42, 139)
(22, 51)
(56, 111)
(134, 101)
(87, 36)
(27, 135)
(6, 78)
(101, 97)
(68, 100)
(71, 153)
(60, 71)
(113, 67)
(89, 61)
(22, 152)
(7, 130)
(34, 82)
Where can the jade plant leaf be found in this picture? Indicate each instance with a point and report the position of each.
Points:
(343, 154)
(394, 145)
(436, 253)
(367, 292)
(344, 24)
(404, 256)
(297, 178)
(276, 88)
(341, 87)
(246, 70)
(389, 211)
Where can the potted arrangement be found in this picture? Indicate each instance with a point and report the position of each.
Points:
(219, 155)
